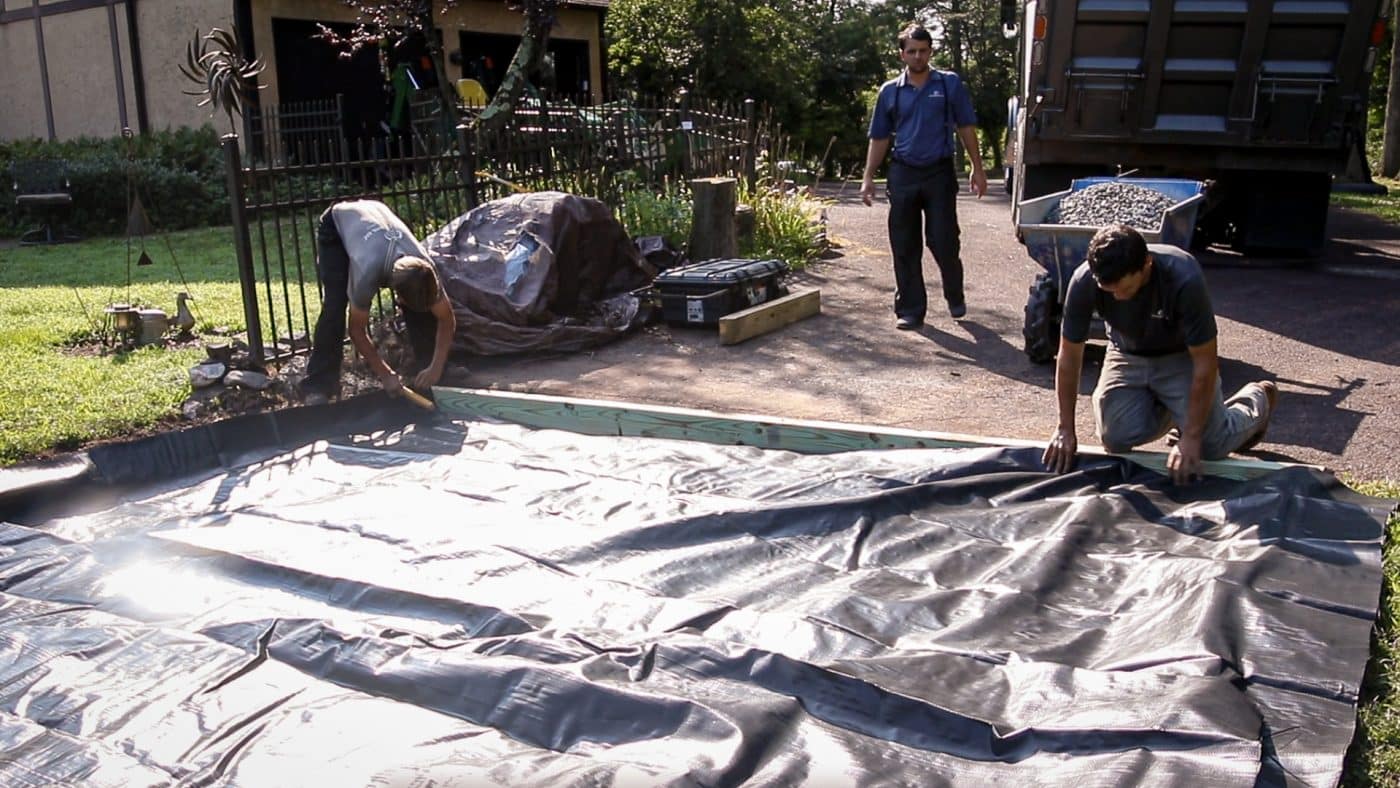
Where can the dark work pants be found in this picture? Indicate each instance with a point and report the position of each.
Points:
(923, 210)
(328, 340)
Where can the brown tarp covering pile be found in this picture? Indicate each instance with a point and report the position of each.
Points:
(538, 271)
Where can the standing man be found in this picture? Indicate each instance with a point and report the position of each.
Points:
(1161, 366)
(361, 246)
(920, 108)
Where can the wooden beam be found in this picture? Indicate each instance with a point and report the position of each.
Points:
(604, 417)
(775, 314)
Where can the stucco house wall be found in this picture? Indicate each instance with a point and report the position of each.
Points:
(481, 16)
(92, 81)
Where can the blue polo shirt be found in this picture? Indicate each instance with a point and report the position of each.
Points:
(922, 119)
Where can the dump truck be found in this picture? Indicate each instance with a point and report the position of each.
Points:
(1263, 100)
(1260, 100)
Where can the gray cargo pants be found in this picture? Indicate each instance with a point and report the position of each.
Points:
(1139, 398)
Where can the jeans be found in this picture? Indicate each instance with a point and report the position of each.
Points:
(328, 340)
(924, 210)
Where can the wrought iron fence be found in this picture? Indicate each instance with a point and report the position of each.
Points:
(299, 162)
(300, 132)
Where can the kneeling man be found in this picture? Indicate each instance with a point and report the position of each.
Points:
(1161, 368)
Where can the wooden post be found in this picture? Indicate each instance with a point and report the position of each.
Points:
(745, 225)
(712, 232)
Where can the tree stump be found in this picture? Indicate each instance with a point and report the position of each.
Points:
(712, 231)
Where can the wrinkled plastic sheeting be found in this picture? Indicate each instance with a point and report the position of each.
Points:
(538, 271)
(472, 604)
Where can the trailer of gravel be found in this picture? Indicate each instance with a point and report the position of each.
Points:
(1056, 230)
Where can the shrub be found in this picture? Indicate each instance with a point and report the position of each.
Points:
(787, 225)
(179, 175)
(667, 214)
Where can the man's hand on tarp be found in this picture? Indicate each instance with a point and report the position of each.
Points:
(1184, 461)
(1059, 456)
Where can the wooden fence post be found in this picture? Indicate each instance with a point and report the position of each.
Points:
(712, 232)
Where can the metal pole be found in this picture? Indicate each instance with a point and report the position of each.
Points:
(117, 63)
(466, 151)
(242, 248)
(44, 69)
(750, 145)
(686, 125)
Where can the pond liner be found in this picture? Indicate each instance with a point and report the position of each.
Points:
(103, 471)
(366, 594)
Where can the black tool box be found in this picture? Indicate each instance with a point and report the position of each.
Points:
(701, 293)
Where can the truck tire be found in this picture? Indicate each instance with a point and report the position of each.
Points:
(1042, 327)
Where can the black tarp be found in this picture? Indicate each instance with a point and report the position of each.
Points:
(341, 596)
(539, 271)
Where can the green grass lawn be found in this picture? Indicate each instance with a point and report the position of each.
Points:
(60, 387)
(1386, 206)
(1374, 757)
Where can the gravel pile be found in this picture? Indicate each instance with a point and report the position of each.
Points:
(1112, 203)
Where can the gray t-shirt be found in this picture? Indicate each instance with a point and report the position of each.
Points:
(1170, 313)
(373, 238)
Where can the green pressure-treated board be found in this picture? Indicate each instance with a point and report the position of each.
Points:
(603, 417)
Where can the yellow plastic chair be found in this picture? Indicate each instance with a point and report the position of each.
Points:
(472, 93)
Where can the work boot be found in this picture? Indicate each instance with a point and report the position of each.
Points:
(1270, 390)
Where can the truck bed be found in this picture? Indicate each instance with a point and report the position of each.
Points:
(1258, 77)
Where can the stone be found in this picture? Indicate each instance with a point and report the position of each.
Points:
(1112, 202)
(248, 379)
(207, 374)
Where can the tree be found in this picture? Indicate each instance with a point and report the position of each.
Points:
(976, 49)
(1390, 154)
(397, 20)
(811, 63)
(534, 40)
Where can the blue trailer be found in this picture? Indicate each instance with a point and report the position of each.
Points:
(1264, 100)
(1060, 248)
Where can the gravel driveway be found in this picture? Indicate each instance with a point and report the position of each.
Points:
(1325, 330)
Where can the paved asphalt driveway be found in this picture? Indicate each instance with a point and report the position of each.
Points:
(1325, 330)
